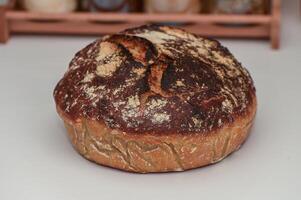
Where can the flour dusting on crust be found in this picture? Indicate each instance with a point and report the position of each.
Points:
(156, 79)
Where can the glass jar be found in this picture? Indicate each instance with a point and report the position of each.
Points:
(237, 6)
(172, 6)
(49, 6)
(3, 2)
(111, 5)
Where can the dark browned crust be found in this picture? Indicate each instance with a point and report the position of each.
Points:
(162, 87)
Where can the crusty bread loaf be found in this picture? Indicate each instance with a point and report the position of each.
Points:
(156, 99)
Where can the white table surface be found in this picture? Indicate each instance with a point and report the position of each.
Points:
(37, 162)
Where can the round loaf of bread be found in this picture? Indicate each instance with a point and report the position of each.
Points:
(156, 99)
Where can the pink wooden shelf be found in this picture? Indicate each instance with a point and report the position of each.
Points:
(254, 26)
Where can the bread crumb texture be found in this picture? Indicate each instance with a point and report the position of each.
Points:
(156, 79)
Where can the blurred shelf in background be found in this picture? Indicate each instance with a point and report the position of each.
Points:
(215, 24)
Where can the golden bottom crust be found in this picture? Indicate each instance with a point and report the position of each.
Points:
(156, 153)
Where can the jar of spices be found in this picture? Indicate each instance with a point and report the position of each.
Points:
(49, 6)
(3, 2)
(237, 6)
(172, 6)
(111, 5)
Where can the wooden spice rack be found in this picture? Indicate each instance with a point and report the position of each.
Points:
(255, 26)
